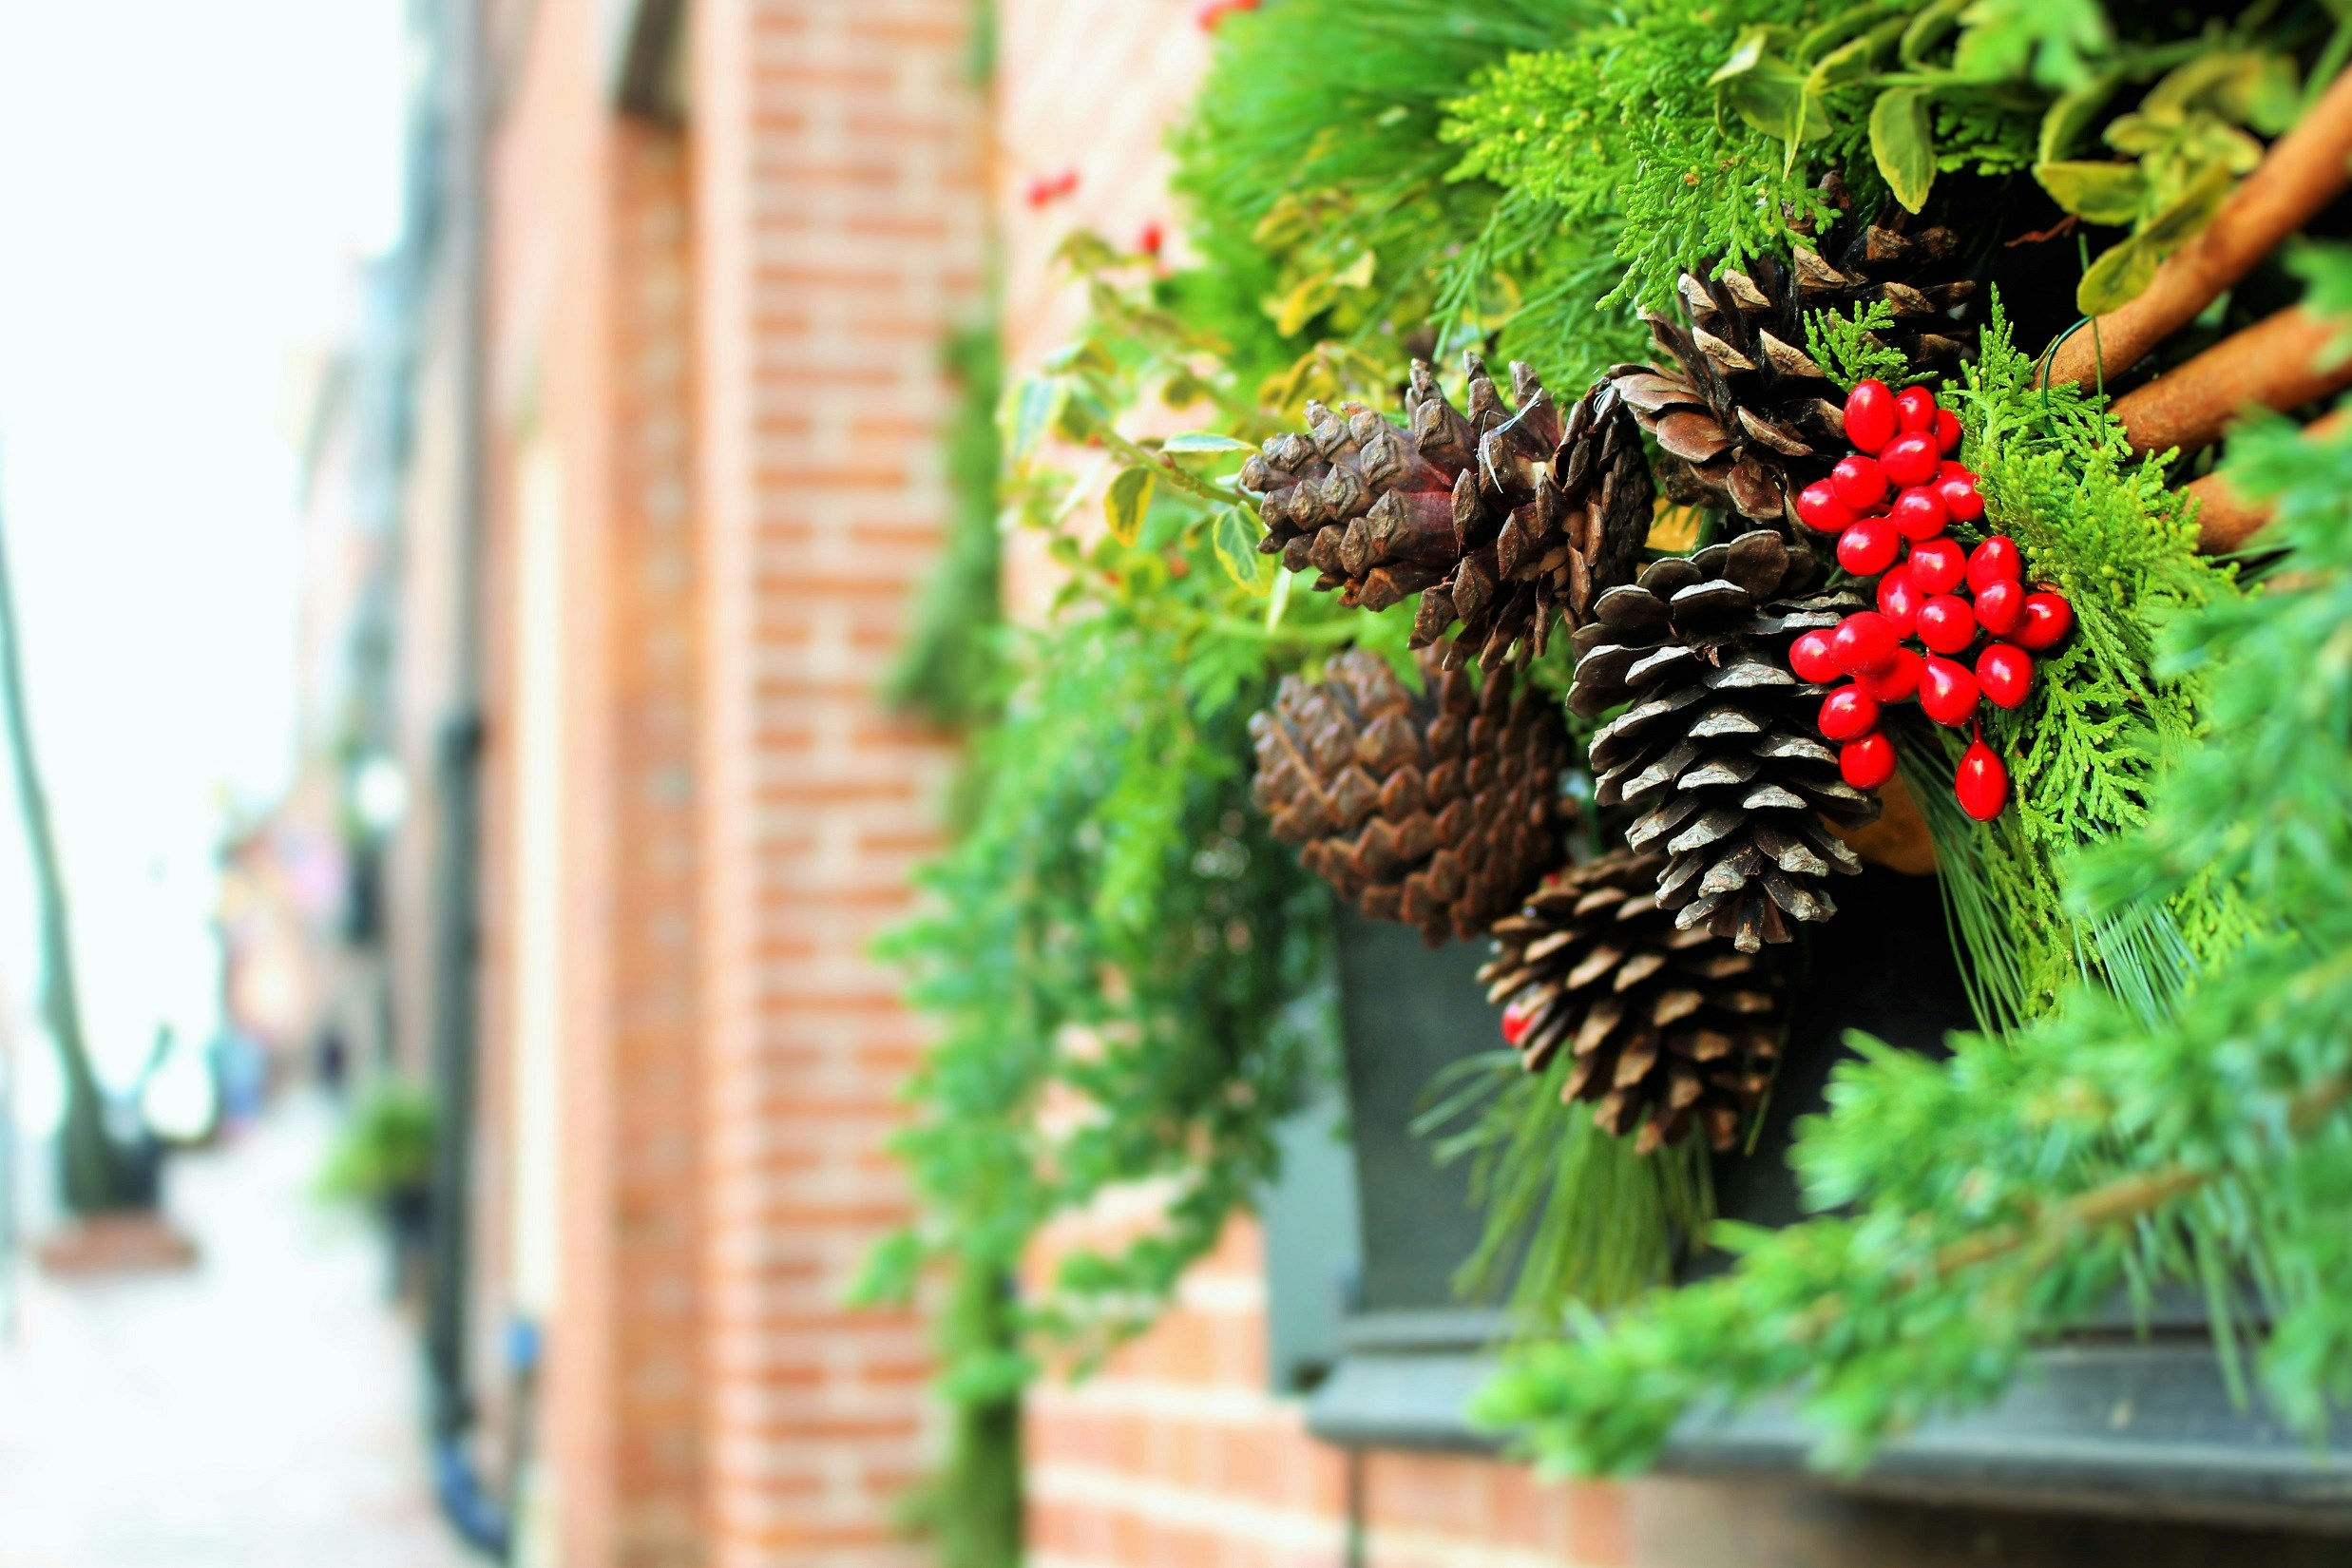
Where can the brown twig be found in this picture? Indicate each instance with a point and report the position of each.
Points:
(2300, 175)
(2273, 364)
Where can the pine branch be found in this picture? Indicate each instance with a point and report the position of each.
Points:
(2302, 173)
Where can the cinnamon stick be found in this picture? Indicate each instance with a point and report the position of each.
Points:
(2273, 364)
(2226, 519)
(2301, 174)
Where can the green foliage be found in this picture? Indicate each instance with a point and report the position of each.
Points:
(1321, 204)
(1999, 1196)
(946, 669)
(385, 1149)
(1683, 132)
(1123, 965)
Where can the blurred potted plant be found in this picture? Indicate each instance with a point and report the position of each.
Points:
(384, 1161)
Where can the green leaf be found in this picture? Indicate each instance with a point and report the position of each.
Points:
(1037, 407)
(2178, 224)
(1847, 64)
(1903, 142)
(2096, 193)
(1234, 537)
(1204, 441)
(1749, 52)
(2117, 278)
(2071, 115)
(1278, 599)
(1773, 98)
(1927, 30)
(1126, 501)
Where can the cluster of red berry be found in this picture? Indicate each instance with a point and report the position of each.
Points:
(1893, 498)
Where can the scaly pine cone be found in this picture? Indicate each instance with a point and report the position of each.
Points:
(1671, 1028)
(1744, 415)
(1504, 520)
(1719, 751)
(1439, 810)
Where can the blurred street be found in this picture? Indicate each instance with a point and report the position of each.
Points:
(259, 1411)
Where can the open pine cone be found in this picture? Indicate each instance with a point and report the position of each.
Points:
(1439, 810)
(1744, 415)
(1719, 750)
(1671, 1029)
(1500, 520)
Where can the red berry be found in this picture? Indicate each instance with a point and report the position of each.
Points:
(1864, 641)
(2006, 674)
(1947, 432)
(1982, 784)
(1849, 714)
(1811, 658)
(1819, 506)
(1918, 513)
(1995, 561)
(1900, 599)
(1937, 565)
(1869, 417)
(2000, 607)
(2048, 619)
(1859, 481)
(1947, 469)
(1868, 547)
(1897, 683)
(1947, 692)
(1910, 459)
(1961, 499)
(1915, 410)
(1868, 761)
(1946, 623)
(1514, 1021)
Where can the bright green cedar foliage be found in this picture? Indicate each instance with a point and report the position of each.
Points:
(1998, 1198)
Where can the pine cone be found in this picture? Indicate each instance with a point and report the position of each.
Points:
(1719, 751)
(1500, 520)
(1439, 810)
(1671, 1028)
(1742, 412)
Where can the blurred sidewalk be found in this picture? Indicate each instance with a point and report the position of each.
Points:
(259, 1411)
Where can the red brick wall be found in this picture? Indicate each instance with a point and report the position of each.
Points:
(591, 333)
(837, 201)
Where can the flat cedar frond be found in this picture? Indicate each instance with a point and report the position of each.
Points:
(2126, 1139)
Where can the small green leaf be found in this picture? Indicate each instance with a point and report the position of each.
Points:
(1204, 441)
(2178, 224)
(1902, 142)
(1772, 99)
(1357, 273)
(1927, 30)
(1036, 410)
(1236, 537)
(2071, 116)
(2096, 193)
(1847, 64)
(1748, 52)
(1278, 599)
(1126, 501)
(2117, 278)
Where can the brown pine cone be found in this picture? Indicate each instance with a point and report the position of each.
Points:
(1502, 519)
(1671, 1028)
(1439, 810)
(1719, 750)
(1744, 415)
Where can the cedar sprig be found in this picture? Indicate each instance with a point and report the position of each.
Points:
(2000, 1197)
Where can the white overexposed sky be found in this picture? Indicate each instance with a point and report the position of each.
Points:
(184, 188)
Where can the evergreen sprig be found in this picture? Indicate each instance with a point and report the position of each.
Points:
(1998, 1198)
